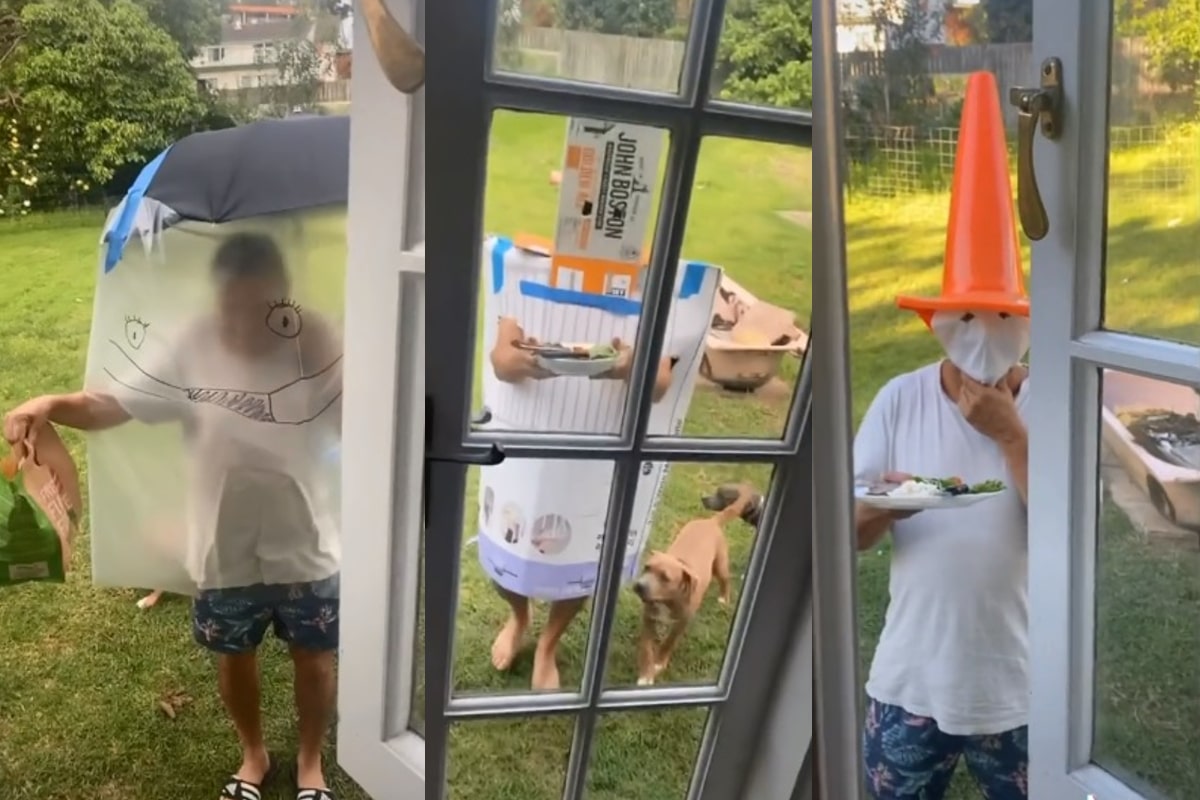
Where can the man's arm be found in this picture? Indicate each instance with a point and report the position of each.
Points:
(871, 525)
(1016, 456)
(872, 462)
(87, 411)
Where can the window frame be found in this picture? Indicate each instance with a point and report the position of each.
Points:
(469, 91)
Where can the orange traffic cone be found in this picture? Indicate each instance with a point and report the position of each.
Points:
(983, 257)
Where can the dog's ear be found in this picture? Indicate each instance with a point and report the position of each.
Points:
(688, 580)
(711, 502)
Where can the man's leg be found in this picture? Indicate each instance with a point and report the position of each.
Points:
(316, 699)
(308, 620)
(231, 624)
(545, 657)
(510, 638)
(1000, 764)
(906, 757)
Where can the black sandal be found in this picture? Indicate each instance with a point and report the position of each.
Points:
(241, 789)
(315, 794)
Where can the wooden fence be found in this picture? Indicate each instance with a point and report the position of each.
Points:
(328, 92)
(647, 64)
(1136, 92)
(655, 64)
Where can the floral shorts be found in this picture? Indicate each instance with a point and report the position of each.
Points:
(304, 615)
(908, 758)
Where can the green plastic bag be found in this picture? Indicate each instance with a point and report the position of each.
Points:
(30, 548)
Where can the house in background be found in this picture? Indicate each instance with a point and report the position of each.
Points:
(247, 56)
(858, 29)
(254, 14)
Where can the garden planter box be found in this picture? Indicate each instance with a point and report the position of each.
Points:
(748, 339)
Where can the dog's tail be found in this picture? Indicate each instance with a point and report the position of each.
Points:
(738, 507)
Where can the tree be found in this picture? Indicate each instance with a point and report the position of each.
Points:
(191, 23)
(766, 53)
(101, 85)
(1009, 21)
(12, 36)
(297, 85)
(627, 17)
(1172, 34)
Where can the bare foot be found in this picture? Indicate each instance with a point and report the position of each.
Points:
(508, 643)
(150, 600)
(545, 673)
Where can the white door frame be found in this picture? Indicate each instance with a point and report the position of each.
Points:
(835, 561)
(467, 93)
(1069, 348)
(383, 402)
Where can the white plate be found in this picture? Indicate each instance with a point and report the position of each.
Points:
(577, 367)
(911, 503)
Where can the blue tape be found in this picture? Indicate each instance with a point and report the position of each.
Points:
(118, 236)
(614, 305)
(499, 251)
(693, 279)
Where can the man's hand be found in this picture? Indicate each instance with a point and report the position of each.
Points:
(511, 363)
(23, 424)
(621, 369)
(991, 410)
(896, 478)
(871, 523)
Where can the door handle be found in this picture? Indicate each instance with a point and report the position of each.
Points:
(475, 458)
(1040, 108)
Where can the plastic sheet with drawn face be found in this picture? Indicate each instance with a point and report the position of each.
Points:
(222, 343)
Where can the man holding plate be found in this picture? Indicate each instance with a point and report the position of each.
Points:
(950, 681)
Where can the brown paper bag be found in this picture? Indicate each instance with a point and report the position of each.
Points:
(47, 476)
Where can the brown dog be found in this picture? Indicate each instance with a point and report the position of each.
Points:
(673, 583)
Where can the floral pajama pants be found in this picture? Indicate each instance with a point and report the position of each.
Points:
(907, 757)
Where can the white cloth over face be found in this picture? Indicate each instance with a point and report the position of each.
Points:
(222, 479)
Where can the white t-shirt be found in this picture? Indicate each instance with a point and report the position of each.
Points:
(955, 644)
(261, 507)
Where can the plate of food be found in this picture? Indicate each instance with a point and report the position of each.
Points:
(923, 494)
(574, 358)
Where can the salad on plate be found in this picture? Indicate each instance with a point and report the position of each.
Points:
(918, 493)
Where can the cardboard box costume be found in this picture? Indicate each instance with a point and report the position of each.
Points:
(541, 522)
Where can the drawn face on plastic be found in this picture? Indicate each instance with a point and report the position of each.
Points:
(256, 315)
(254, 318)
(983, 344)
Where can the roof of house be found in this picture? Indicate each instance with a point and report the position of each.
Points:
(260, 32)
(288, 11)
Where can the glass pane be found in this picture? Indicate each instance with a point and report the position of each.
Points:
(765, 57)
(417, 717)
(1153, 270)
(686, 583)
(521, 758)
(751, 216)
(569, 222)
(629, 45)
(534, 530)
(1148, 586)
(646, 754)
